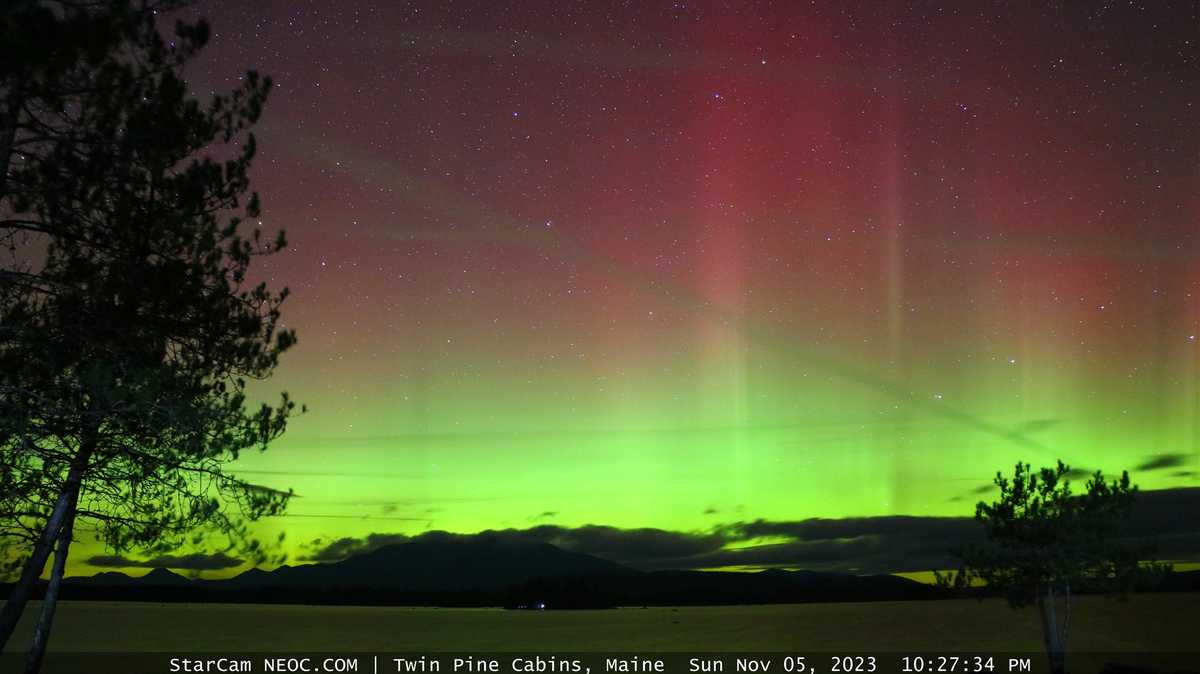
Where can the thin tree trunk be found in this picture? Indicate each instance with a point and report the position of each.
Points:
(1066, 629)
(18, 597)
(41, 633)
(1050, 633)
(1041, 607)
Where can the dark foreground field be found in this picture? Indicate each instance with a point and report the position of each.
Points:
(1144, 623)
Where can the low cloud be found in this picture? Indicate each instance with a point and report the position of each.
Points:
(341, 548)
(194, 562)
(1080, 474)
(886, 544)
(862, 545)
(1161, 461)
(890, 526)
(636, 547)
(859, 544)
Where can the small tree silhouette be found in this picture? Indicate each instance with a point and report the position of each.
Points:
(1045, 543)
(129, 329)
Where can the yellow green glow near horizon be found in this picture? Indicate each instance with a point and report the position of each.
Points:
(709, 428)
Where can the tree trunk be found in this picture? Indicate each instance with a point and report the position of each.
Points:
(18, 597)
(1066, 627)
(41, 633)
(1055, 646)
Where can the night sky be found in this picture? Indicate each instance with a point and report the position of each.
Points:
(684, 265)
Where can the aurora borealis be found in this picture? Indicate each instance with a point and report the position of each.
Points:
(683, 265)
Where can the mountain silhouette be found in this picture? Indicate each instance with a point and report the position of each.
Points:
(158, 577)
(164, 577)
(480, 563)
(492, 571)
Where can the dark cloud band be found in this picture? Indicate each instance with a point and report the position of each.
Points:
(192, 562)
(886, 544)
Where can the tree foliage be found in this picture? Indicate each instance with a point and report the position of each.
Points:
(1044, 542)
(129, 323)
(1040, 534)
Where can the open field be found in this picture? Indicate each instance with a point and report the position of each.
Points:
(1145, 623)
